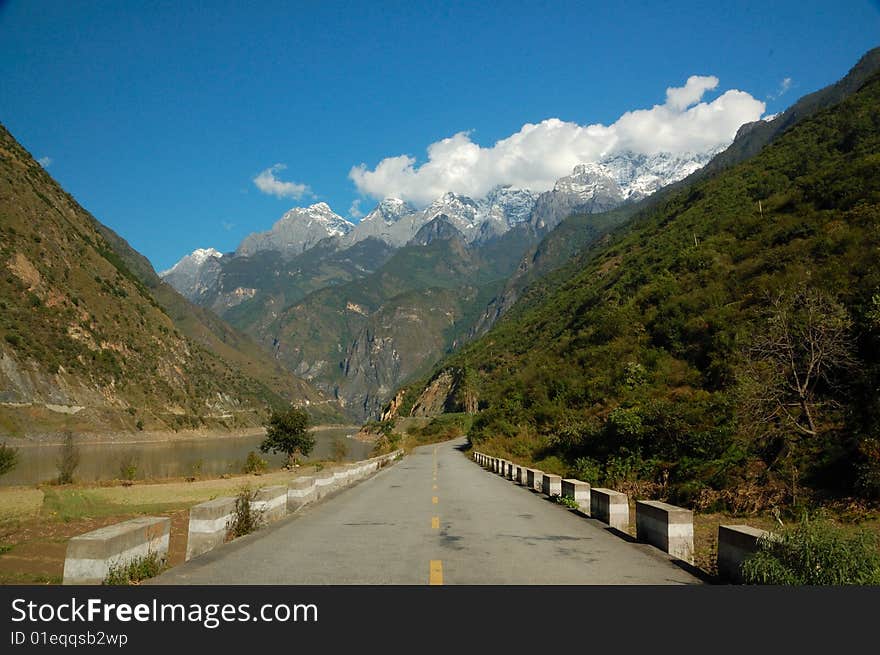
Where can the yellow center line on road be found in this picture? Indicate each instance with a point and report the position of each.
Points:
(435, 577)
(435, 523)
(435, 500)
(435, 488)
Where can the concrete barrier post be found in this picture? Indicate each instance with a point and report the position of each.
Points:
(669, 528)
(324, 483)
(522, 475)
(300, 492)
(551, 485)
(91, 555)
(341, 477)
(534, 479)
(736, 543)
(270, 502)
(611, 507)
(208, 525)
(579, 491)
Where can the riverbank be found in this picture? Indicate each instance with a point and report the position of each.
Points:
(148, 436)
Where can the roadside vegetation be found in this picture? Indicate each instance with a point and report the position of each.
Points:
(245, 519)
(135, 571)
(814, 551)
(722, 350)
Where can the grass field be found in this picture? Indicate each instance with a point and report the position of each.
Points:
(36, 523)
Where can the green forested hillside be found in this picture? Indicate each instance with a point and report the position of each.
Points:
(724, 346)
(358, 341)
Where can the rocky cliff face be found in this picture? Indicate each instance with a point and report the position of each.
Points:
(436, 398)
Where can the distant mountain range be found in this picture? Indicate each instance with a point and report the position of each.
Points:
(591, 188)
(358, 309)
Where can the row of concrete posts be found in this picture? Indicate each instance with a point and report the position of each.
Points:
(90, 556)
(669, 528)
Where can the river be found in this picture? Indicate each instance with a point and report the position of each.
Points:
(204, 456)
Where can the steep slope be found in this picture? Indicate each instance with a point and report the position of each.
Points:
(223, 340)
(641, 364)
(559, 247)
(85, 343)
(359, 341)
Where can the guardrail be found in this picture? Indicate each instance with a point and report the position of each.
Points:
(664, 526)
(90, 556)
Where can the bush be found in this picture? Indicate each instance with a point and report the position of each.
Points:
(340, 450)
(245, 519)
(255, 464)
(68, 459)
(128, 467)
(815, 552)
(568, 501)
(134, 571)
(8, 458)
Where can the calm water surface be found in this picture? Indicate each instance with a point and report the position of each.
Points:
(164, 459)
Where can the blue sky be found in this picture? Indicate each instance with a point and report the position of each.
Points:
(157, 116)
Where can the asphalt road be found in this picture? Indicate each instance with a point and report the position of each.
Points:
(435, 517)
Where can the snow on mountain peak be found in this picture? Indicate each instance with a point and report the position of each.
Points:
(201, 254)
(193, 260)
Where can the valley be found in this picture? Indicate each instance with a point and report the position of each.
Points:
(647, 300)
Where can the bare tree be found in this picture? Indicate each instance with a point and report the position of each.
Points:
(794, 360)
(791, 370)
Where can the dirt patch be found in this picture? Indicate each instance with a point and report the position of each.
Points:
(36, 548)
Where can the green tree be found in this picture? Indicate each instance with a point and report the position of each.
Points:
(287, 431)
(8, 458)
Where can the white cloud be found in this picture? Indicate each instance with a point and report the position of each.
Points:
(355, 210)
(45, 162)
(540, 153)
(784, 86)
(268, 183)
(681, 97)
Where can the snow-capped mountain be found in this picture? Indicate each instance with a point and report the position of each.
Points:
(297, 231)
(384, 223)
(592, 187)
(397, 223)
(641, 175)
(195, 273)
(619, 178)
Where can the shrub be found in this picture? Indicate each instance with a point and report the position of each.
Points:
(255, 464)
(586, 470)
(340, 450)
(140, 568)
(568, 501)
(68, 459)
(128, 467)
(815, 552)
(245, 518)
(8, 458)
